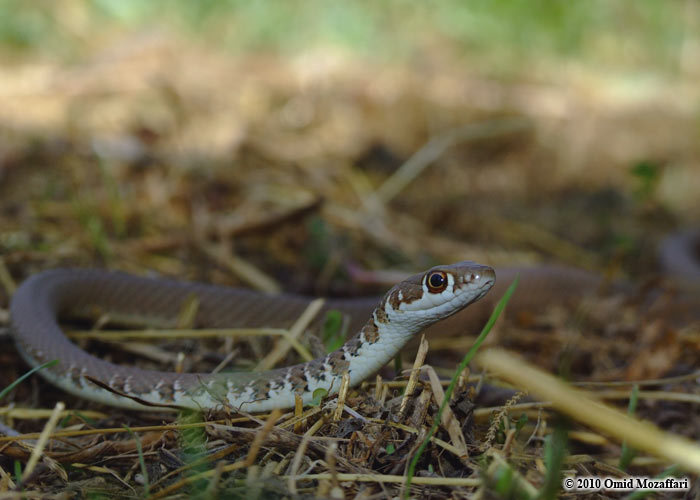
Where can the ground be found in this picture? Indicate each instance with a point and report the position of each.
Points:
(155, 150)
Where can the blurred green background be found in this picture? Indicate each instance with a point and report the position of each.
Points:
(507, 36)
(333, 98)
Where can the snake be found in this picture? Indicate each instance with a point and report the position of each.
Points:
(406, 309)
(435, 299)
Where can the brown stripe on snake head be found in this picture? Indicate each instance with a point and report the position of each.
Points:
(405, 294)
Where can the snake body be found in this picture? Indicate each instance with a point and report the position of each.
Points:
(382, 328)
(406, 309)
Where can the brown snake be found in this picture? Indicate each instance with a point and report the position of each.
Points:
(406, 309)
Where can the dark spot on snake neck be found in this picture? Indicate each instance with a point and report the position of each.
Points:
(370, 331)
(353, 345)
(37, 355)
(118, 383)
(297, 377)
(317, 370)
(337, 362)
(260, 387)
(166, 392)
(381, 315)
(76, 375)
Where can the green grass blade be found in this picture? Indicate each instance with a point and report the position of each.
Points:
(450, 388)
(555, 453)
(14, 384)
(628, 453)
(142, 461)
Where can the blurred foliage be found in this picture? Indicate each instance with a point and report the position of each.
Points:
(646, 175)
(625, 34)
(333, 335)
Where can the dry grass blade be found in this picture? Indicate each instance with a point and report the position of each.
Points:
(6, 482)
(585, 408)
(292, 422)
(460, 370)
(40, 413)
(652, 395)
(242, 269)
(207, 459)
(188, 312)
(642, 383)
(342, 395)
(449, 421)
(6, 278)
(439, 442)
(202, 333)
(299, 455)
(283, 345)
(119, 430)
(426, 155)
(415, 371)
(382, 478)
(333, 489)
(43, 439)
(213, 485)
(260, 437)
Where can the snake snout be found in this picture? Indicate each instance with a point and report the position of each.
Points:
(475, 274)
(488, 275)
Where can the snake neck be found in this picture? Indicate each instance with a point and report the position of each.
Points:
(385, 333)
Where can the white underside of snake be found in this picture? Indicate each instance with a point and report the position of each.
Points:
(405, 310)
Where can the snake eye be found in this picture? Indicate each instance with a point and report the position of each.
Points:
(437, 281)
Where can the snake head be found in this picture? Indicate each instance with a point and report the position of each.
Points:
(435, 294)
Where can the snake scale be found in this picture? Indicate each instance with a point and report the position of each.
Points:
(382, 328)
